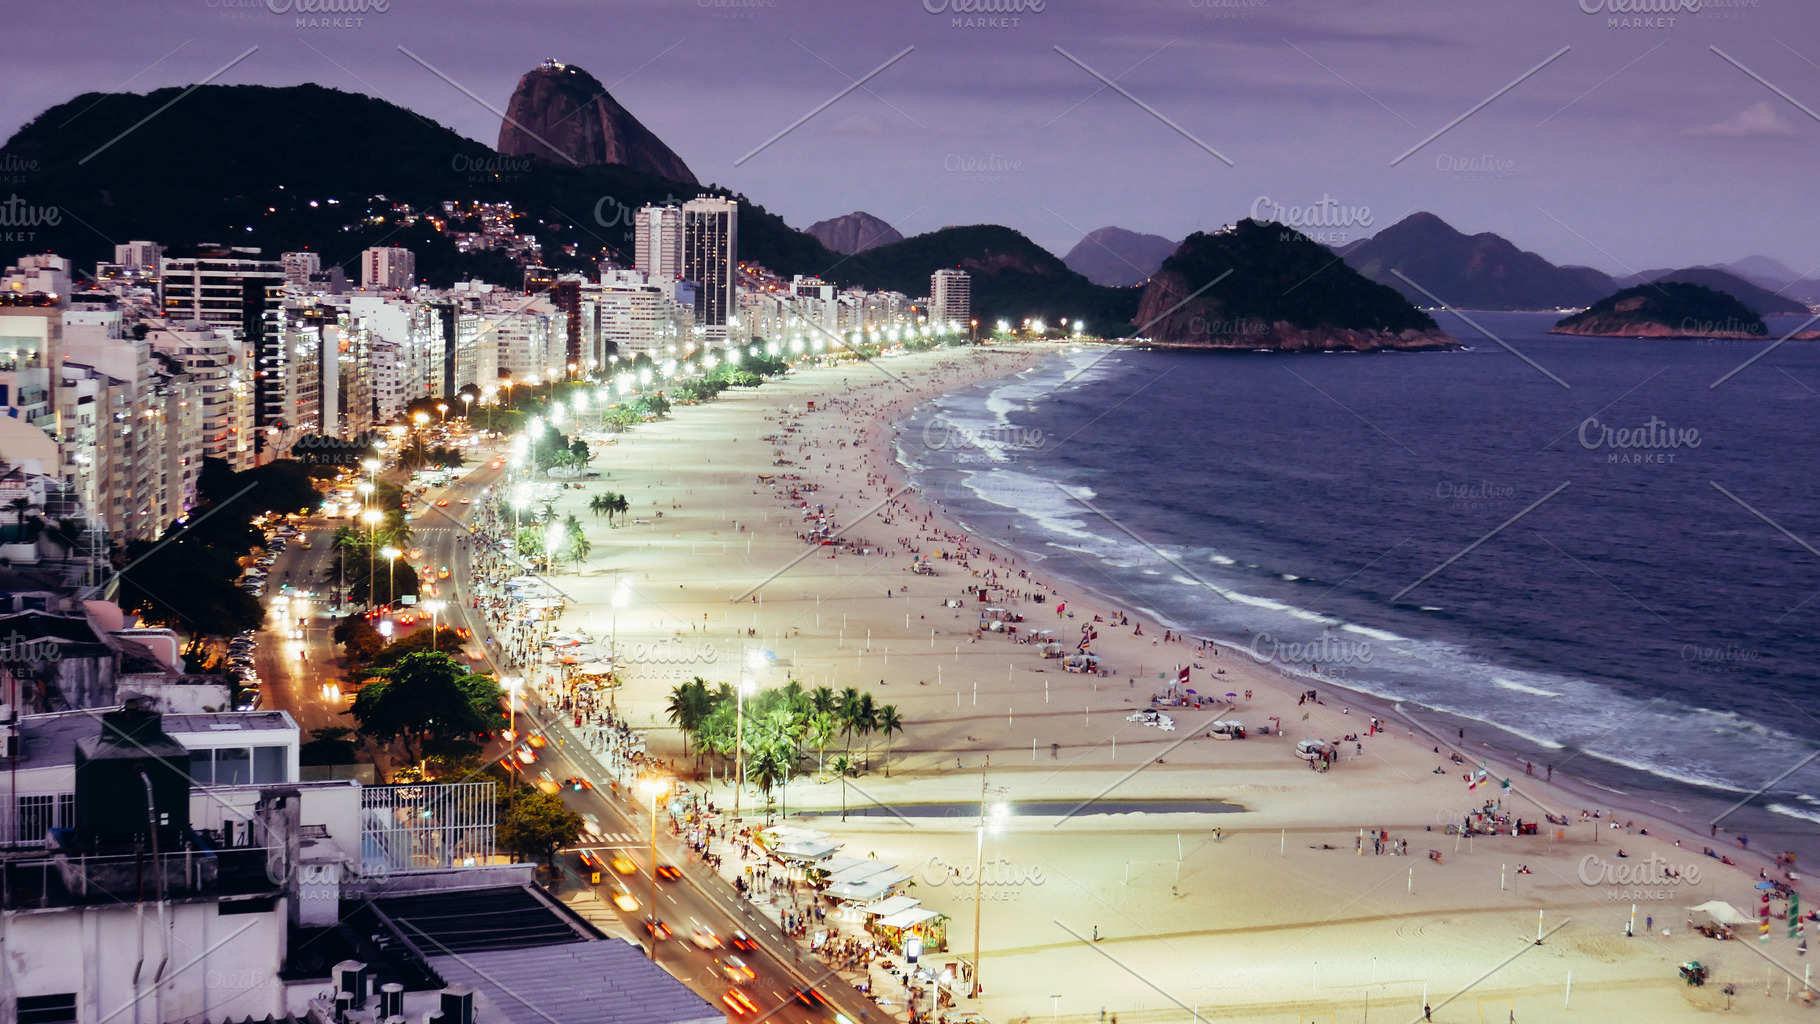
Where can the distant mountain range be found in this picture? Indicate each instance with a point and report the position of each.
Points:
(562, 114)
(1258, 286)
(1762, 301)
(1118, 258)
(852, 232)
(1481, 271)
(1012, 277)
(304, 167)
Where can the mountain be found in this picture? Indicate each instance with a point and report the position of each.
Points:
(562, 114)
(1762, 270)
(853, 232)
(1257, 286)
(1666, 309)
(1118, 258)
(1012, 277)
(1482, 271)
(304, 167)
(1762, 301)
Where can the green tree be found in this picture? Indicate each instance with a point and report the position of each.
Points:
(537, 824)
(888, 722)
(422, 697)
(336, 744)
(577, 547)
(689, 707)
(819, 730)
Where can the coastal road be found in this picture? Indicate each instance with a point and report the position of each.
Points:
(698, 899)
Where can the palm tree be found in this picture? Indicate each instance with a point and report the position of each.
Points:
(865, 718)
(849, 712)
(770, 767)
(578, 545)
(20, 506)
(888, 722)
(822, 700)
(688, 708)
(843, 767)
(818, 730)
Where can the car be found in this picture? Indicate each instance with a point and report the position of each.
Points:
(704, 937)
(739, 1002)
(668, 872)
(536, 740)
(467, 501)
(442, 573)
(548, 786)
(809, 997)
(623, 864)
(415, 554)
(735, 970)
(526, 756)
(625, 901)
(444, 503)
(742, 942)
(657, 929)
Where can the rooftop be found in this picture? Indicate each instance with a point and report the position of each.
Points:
(610, 982)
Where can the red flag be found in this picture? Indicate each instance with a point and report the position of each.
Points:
(1181, 677)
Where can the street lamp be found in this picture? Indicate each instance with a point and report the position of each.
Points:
(653, 788)
(391, 586)
(739, 739)
(467, 407)
(435, 608)
(372, 517)
(997, 824)
(512, 685)
(443, 408)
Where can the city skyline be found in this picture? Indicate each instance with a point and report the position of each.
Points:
(1601, 131)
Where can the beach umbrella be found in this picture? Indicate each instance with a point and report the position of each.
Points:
(1229, 693)
(1766, 885)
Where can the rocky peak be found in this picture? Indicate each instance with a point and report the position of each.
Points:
(562, 114)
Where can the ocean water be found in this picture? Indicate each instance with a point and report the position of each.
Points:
(1608, 550)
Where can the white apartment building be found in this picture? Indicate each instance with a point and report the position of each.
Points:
(214, 361)
(388, 269)
(139, 258)
(298, 266)
(950, 298)
(657, 242)
(223, 289)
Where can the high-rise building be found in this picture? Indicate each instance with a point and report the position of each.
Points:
(710, 258)
(139, 258)
(388, 269)
(950, 298)
(223, 288)
(657, 242)
(298, 266)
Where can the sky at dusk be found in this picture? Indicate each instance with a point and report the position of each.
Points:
(1637, 147)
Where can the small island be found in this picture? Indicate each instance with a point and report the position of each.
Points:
(1260, 286)
(1666, 309)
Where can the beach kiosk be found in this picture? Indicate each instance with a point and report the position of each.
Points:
(1716, 919)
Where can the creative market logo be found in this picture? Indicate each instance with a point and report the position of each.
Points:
(736, 10)
(991, 169)
(313, 14)
(1337, 653)
(1651, 870)
(1317, 221)
(1640, 13)
(996, 878)
(1653, 443)
(16, 213)
(16, 649)
(984, 13)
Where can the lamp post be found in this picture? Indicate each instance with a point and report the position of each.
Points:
(999, 811)
(739, 740)
(467, 407)
(653, 788)
(512, 684)
(435, 609)
(443, 408)
(391, 586)
(372, 517)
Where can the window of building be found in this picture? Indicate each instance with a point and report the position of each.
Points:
(54, 1009)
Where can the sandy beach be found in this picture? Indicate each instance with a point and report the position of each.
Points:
(1289, 912)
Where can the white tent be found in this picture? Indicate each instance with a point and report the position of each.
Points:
(864, 870)
(909, 918)
(891, 905)
(1716, 914)
(870, 888)
(806, 850)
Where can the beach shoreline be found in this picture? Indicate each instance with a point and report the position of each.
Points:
(984, 713)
